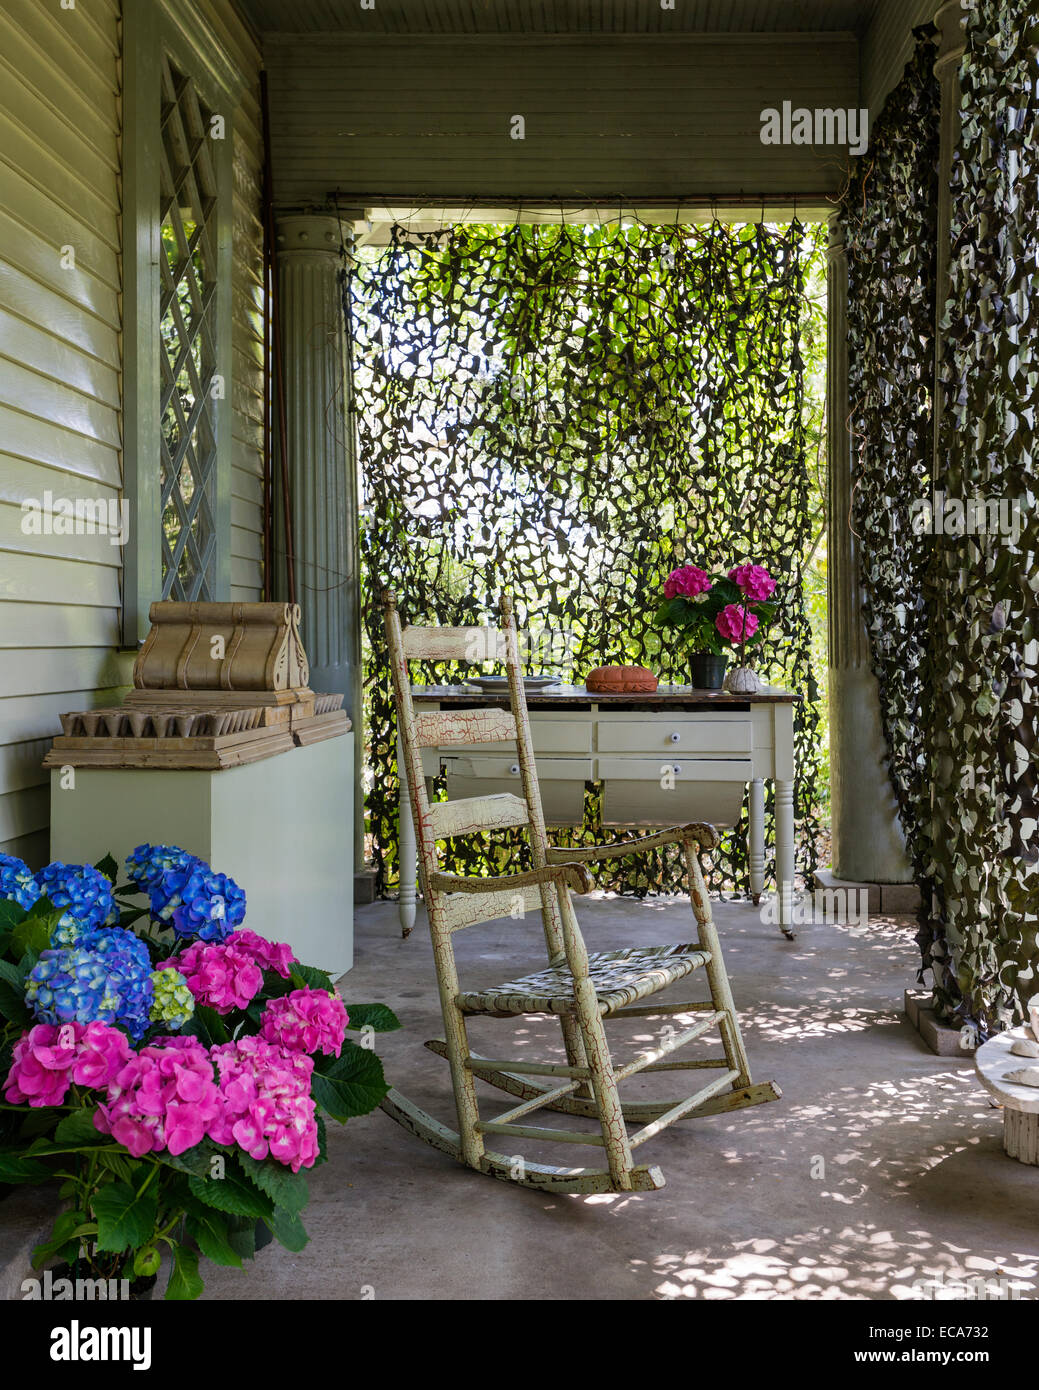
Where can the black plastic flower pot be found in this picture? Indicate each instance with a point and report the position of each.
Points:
(707, 670)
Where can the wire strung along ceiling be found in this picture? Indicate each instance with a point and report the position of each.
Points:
(567, 413)
(950, 568)
(889, 215)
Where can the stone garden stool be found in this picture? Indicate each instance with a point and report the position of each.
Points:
(1020, 1103)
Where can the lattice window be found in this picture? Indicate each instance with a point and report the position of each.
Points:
(188, 355)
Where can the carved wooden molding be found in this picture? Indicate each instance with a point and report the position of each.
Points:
(222, 646)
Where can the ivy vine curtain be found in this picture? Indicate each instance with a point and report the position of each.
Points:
(953, 611)
(567, 413)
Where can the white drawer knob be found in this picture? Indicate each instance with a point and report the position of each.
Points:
(514, 769)
(676, 738)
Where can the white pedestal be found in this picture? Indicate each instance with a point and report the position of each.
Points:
(993, 1062)
(282, 828)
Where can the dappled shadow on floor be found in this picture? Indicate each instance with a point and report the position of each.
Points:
(881, 1167)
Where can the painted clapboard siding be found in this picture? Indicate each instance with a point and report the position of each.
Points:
(60, 383)
(61, 365)
(247, 323)
(381, 119)
(887, 46)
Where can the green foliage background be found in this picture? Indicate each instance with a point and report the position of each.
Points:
(569, 412)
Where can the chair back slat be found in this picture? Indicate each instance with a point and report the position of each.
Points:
(467, 909)
(473, 644)
(459, 728)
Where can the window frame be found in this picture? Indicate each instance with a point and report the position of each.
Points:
(148, 31)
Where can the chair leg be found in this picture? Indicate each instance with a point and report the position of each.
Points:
(717, 976)
(456, 1039)
(553, 928)
(597, 1051)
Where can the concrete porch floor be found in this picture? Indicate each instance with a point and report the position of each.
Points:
(882, 1163)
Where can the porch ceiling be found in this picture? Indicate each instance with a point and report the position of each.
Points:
(560, 16)
(412, 102)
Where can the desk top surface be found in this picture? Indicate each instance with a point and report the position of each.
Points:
(563, 695)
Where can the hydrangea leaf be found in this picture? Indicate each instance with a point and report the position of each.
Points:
(232, 1193)
(349, 1085)
(108, 867)
(126, 1215)
(285, 1188)
(309, 977)
(288, 1229)
(79, 1128)
(210, 1234)
(185, 1281)
(375, 1016)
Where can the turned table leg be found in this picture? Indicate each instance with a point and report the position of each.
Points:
(785, 855)
(756, 838)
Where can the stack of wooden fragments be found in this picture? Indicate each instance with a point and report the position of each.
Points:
(215, 685)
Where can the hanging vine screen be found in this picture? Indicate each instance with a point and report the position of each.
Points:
(567, 413)
(950, 561)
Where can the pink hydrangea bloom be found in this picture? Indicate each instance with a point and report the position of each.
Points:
(735, 624)
(49, 1057)
(219, 975)
(165, 1097)
(307, 1020)
(754, 580)
(686, 582)
(268, 955)
(101, 1054)
(266, 1106)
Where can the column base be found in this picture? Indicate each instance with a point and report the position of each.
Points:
(890, 899)
(944, 1039)
(364, 885)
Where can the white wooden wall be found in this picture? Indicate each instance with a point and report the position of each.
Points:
(247, 335)
(60, 382)
(61, 369)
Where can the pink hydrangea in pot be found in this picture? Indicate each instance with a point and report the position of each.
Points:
(179, 1089)
(711, 612)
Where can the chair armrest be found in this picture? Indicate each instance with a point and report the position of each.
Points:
(705, 836)
(570, 875)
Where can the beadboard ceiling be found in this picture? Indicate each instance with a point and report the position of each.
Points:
(453, 17)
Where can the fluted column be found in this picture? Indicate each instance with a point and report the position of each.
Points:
(320, 460)
(868, 844)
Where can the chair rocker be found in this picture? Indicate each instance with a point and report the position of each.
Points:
(585, 990)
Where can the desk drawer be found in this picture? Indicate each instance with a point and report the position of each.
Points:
(679, 737)
(551, 735)
(669, 791)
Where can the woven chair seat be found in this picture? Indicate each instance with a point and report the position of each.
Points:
(619, 978)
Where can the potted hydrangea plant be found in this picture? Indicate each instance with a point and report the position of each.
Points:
(710, 612)
(171, 1069)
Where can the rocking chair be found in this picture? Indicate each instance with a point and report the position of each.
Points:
(583, 989)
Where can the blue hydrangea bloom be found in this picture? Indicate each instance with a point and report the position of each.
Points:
(84, 893)
(147, 863)
(105, 976)
(17, 882)
(199, 903)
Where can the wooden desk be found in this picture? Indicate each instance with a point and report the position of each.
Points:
(664, 759)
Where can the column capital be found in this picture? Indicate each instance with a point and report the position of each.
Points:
(949, 19)
(313, 232)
